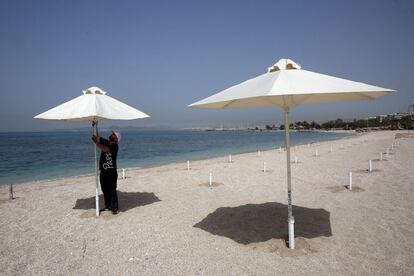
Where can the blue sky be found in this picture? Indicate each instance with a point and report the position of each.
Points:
(160, 56)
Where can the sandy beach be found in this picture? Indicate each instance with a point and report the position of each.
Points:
(173, 223)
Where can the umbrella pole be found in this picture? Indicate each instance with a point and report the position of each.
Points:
(95, 131)
(291, 219)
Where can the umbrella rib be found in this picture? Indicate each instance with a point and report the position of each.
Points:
(363, 95)
(284, 102)
(272, 101)
(304, 99)
(227, 104)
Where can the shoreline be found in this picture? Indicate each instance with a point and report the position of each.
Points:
(129, 169)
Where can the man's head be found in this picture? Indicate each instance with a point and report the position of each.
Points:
(115, 137)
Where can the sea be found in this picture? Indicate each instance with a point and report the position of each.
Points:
(36, 156)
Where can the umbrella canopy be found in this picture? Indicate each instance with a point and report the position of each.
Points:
(286, 85)
(93, 105)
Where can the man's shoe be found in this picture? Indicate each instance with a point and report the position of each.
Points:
(115, 212)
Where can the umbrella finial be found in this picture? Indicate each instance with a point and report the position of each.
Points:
(283, 64)
(94, 90)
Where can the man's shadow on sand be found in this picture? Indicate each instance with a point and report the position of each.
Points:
(253, 223)
(127, 201)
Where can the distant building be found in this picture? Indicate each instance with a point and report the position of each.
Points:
(394, 116)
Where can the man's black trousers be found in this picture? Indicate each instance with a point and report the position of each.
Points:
(108, 185)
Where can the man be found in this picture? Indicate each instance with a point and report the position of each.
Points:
(108, 170)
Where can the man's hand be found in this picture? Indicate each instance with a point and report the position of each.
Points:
(95, 138)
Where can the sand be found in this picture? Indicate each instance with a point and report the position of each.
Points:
(173, 223)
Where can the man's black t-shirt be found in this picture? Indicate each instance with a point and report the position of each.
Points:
(107, 161)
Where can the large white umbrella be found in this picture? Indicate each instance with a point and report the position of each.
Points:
(286, 85)
(93, 105)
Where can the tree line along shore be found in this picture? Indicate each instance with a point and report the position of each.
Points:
(376, 123)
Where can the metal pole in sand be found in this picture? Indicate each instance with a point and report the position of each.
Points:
(350, 181)
(230, 158)
(11, 196)
(95, 133)
(123, 173)
(370, 166)
(211, 179)
(381, 156)
(291, 219)
(291, 230)
(188, 165)
(280, 149)
(264, 166)
(258, 153)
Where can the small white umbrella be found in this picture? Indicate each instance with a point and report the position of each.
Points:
(286, 85)
(93, 105)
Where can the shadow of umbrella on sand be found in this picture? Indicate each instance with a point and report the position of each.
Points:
(127, 201)
(253, 223)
